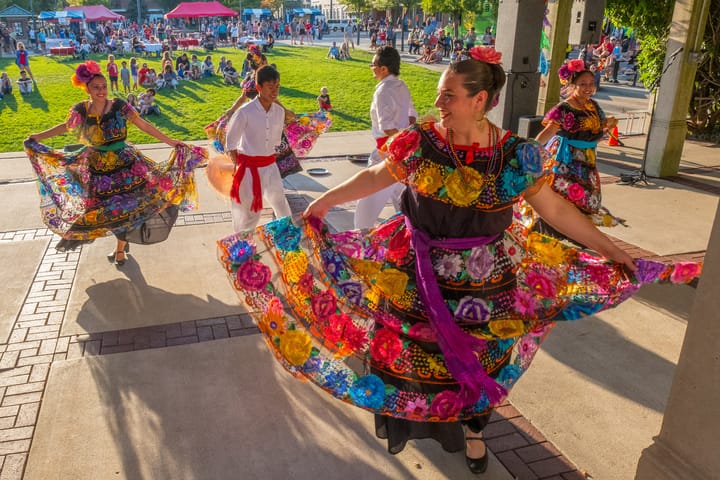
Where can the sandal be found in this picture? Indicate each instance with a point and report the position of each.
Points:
(477, 465)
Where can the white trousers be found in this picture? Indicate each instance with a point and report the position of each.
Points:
(272, 192)
(368, 209)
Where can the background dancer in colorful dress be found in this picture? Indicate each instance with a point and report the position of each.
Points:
(572, 130)
(107, 186)
(448, 302)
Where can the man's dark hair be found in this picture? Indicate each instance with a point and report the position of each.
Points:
(388, 57)
(266, 73)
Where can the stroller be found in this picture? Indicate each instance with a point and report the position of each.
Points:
(209, 43)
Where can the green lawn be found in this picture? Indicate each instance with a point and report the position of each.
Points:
(196, 103)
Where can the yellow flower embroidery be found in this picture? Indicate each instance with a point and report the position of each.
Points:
(295, 346)
(507, 328)
(391, 282)
(365, 268)
(428, 178)
(549, 252)
(295, 264)
(463, 186)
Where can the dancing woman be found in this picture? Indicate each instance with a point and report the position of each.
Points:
(107, 186)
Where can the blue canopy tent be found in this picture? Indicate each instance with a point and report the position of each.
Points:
(258, 13)
(62, 16)
(301, 12)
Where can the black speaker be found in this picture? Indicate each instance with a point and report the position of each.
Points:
(518, 34)
(517, 99)
(586, 22)
(529, 126)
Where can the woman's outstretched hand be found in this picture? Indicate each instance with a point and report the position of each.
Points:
(618, 255)
(174, 143)
(318, 208)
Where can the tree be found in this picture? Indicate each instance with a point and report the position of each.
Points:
(131, 13)
(650, 19)
(357, 7)
(456, 8)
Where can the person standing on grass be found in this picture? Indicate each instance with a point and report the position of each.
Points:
(253, 132)
(22, 60)
(113, 73)
(125, 77)
(391, 110)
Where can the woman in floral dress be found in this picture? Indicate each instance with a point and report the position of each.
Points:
(107, 186)
(572, 130)
(430, 318)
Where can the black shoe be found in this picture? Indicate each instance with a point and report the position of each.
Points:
(477, 465)
(112, 256)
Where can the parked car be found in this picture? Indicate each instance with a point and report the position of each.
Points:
(336, 25)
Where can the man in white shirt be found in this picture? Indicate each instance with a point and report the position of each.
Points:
(391, 110)
(253, 132)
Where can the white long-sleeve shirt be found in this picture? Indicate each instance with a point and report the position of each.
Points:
(253, 131)
(391, 106)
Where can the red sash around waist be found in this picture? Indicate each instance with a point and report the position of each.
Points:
(252, 162)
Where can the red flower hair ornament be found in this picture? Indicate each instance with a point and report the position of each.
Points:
(84, 73)
(485, 54)
(569, 69)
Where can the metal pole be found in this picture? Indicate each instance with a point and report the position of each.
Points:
(139, 17)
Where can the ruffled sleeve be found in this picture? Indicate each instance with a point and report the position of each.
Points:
(533, 159)
(127, 110)
(525, 173)
(402, 154)
(75, 117)
(555, 115)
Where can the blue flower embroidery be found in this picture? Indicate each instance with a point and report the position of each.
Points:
(509, 375)
(368, 392)
(530, 158)
(575, 311)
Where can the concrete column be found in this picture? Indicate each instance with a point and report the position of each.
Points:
(689, 441)
(559, 17)
(518, 38)
(668, 129)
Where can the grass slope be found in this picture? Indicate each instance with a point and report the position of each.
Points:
(196, 103)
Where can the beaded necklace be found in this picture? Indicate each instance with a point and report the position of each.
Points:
(492, 162)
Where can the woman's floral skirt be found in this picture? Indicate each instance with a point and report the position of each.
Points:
(92, 193)
(577, 180)
(342, 309)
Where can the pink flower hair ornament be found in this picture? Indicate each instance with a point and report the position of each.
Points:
(569, 69)
(485, 54)
(84, 73)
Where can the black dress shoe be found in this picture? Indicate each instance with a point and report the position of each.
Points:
(112, 256)
(477, 465)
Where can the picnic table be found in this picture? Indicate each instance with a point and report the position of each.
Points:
(188, 42)
(62, 51)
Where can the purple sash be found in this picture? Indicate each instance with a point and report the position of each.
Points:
(457, 347)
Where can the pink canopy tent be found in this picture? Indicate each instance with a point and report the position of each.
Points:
(201, 9)
(97, 13)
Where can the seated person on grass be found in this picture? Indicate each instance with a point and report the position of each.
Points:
(5, 84)
(333, 52)
(345, 51)
(231, 76)
(207, 67)
(25, 83)
(146, 103)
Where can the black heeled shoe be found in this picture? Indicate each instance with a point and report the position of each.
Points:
(477, 465)
(112, 256)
